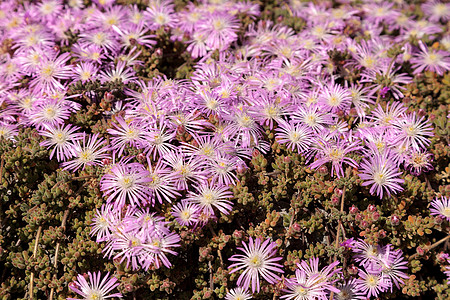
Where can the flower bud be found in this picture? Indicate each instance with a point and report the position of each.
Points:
(296, 227)
(335, 200)
(241, 169)
(141, 156)
(323, 170)
(420, 250)
(353, 209)
(364, 224)
(395, 220)
(108, 97)
(375, 216)
(352, 269)
(371, 208)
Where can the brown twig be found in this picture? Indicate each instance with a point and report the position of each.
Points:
(55, 264)
(211, 282)
(83, 177)
(338, 233)
(1, 170)
(428, 183)
(431, 246)
(38, 235)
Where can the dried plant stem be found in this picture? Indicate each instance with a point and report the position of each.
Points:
(55, 264)
(428, 183)
(38, 235)
(338, 233)
(211, 281)
(1, 181)
(431, 246)
(1, 170)
(83, 177)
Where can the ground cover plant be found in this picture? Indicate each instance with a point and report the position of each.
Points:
(155, 149)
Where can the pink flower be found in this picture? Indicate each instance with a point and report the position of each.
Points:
(380, 171)
(441, 208)
(126, 182)
(256, 261)
(97, 288)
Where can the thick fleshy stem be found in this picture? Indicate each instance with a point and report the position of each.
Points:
(38, 235)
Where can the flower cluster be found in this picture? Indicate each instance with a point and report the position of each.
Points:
(182, 117)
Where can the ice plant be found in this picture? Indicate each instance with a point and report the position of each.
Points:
(209, 195)
(90, 151)
(97, 288)
(62, 138)
(437, 61)
(371, 283)
(238, 294)
(382, 174)
(336, 152)
(256, 261)
(441, 207)
(126, 182)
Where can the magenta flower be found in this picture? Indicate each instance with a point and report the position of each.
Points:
(310, 283)
(188, 169)
(162, 182)
(413, 132)
(371, 283)
(8, 131)
(335, 97)
(50, 71)
(297, 137)
(62, 138)
(314, 117)
(380, 171)
(209, 195)
(85, 71)
(367, 254)
(104, 222)
(428, 59)
(388, 116)
(50, 112)
(391, 263)
(186, 213)
(120, 72)
(256, 261)
(419, 161)
(97, 288)
(160, 14)
(335, 151)
(243, 128)
(349, 291)
(126, 182)
(238, 294)
(304, 287)
(220, 29)
(125, 133)
(441, 208)
(222, 169)
(87, 153)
